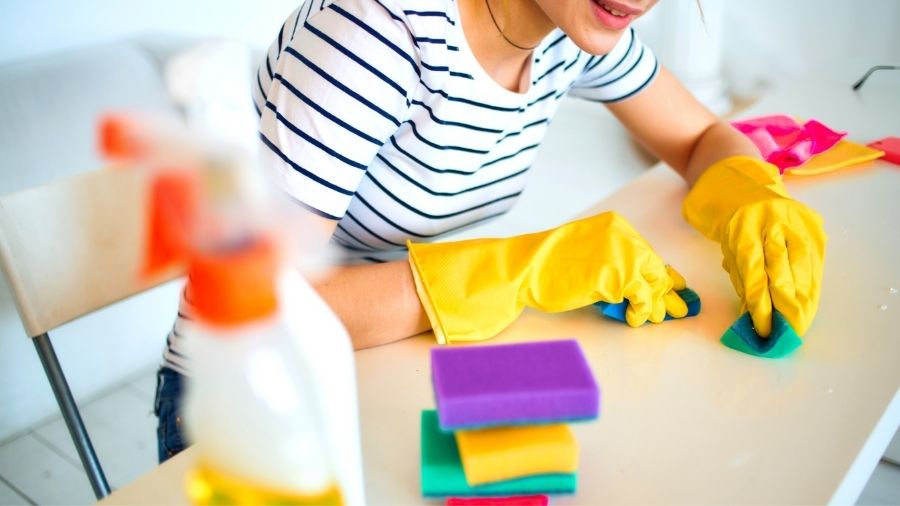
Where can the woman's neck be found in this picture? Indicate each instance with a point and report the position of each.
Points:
(500, 42)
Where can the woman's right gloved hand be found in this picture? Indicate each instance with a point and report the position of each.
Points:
(773, 246)
(471, 290)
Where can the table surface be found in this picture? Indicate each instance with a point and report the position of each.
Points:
(683, 418)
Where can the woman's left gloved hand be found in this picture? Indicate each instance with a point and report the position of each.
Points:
(773, 245)
(473, 289)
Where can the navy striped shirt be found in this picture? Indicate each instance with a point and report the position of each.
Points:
(376, 114)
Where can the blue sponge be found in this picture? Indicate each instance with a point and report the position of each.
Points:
(617, 311)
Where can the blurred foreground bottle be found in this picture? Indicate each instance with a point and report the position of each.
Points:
(270, 406)
(252, 408)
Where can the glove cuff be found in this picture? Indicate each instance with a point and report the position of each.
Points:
(726, 186)
(422, 290)
(469, 289)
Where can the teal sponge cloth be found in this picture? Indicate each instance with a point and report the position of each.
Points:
(742, 337)
(617, 311)
(443, 475)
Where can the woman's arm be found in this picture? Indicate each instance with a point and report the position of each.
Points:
(773, 246)
(377, 303)
(674, 126)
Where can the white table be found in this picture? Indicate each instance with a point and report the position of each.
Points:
(683, 418)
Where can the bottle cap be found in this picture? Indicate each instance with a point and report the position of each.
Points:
(234, 285)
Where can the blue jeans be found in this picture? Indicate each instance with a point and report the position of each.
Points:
(167, 406)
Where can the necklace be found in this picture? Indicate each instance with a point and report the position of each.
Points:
(491, 12)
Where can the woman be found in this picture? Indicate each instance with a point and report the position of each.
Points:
(393, 122)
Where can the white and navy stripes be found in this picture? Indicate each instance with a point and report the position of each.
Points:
(376, 114)
(174, 356)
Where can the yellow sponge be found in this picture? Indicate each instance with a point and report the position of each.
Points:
(505, 453)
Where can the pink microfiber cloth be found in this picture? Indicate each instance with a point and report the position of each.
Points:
(513, 384)
(784, 142)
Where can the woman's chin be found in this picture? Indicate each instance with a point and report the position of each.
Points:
(597, 42)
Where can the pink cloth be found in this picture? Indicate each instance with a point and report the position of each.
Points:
(784, 142)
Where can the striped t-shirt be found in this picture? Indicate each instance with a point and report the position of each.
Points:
(376, 114)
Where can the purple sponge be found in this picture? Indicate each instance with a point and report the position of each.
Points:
(513, 384)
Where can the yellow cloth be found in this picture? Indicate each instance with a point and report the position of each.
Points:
(773, 246)
(505, 453)
(843, 154)
(471, 290)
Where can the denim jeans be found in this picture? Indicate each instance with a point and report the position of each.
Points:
(167, 406)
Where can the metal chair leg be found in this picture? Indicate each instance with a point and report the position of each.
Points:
(71, 415)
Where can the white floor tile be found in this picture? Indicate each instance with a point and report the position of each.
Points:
(883, 486)
(8, 496)
(42, 474)
(122, 428)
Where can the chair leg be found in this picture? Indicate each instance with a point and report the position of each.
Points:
(71, 415)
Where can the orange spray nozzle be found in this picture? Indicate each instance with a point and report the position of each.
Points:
(229, 282)
(173, 206)
(120, 139)
(173, 192)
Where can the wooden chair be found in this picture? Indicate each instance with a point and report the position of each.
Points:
(68, 249)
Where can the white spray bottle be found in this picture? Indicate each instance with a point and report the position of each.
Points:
(271, 403)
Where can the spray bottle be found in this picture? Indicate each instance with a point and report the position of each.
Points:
(270, 406)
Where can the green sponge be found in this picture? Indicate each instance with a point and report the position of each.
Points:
(742, 337)
(443, 475)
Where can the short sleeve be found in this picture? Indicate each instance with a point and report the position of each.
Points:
(619, 74)
(338, 89)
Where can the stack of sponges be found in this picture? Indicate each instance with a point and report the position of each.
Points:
(500, 425)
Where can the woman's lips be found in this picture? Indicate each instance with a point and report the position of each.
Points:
(613, 15)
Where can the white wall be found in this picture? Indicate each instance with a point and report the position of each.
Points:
(761, 43)
(33, 27)
(764, 41)
(768, 41)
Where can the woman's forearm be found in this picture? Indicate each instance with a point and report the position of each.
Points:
(377, 303)
(717, 142)
(674, 126)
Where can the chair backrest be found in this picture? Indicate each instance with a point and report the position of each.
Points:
(74, 246)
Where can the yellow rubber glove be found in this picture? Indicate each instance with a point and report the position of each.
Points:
(471, 290)
(773, 246)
